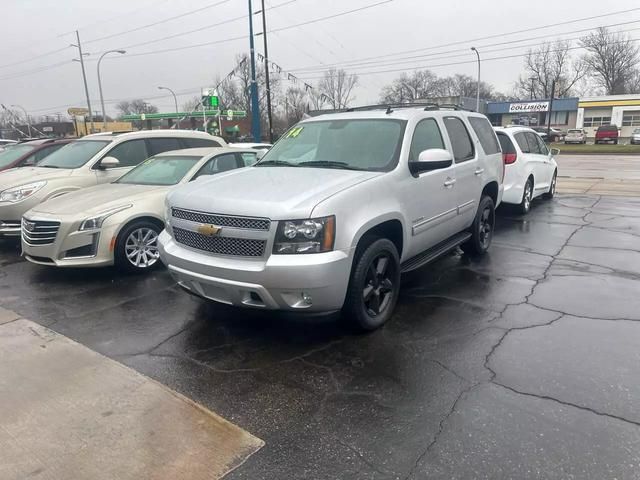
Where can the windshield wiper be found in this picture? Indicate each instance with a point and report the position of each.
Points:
(279, 163)
(330, 164)
(47, 166)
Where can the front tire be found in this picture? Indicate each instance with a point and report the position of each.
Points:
(374, 286)
(482, 228)
(527, 197)
(137, 247)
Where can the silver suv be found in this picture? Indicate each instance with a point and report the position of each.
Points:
(336, 210)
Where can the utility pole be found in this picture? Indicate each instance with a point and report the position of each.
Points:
(478, 94)
(255, 103)
(553, 93)
(266, 72)
(84, 79)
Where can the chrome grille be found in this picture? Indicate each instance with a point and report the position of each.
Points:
(249, 223)
(39, 232)
(241, 247)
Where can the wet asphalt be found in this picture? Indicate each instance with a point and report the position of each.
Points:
(521, 364)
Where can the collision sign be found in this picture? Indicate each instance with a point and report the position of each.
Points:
(529, 107)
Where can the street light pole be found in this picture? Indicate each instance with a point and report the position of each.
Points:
(104, 117)
(255, 103)
(478, 93)
(266, 72)
(175, 100)
(84, 78)
(26, 117)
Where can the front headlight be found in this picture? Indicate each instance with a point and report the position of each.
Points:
(314, 235)
(94, 223)
(17, 194)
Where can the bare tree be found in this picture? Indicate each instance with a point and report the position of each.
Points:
(612, 59)
(408, 88)
(546, 64)
(137, 106)
(337, 87)
(466, 86)
(295, 104)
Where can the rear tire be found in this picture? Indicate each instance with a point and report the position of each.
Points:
(137, 247)
(482, 228)
(615, 142)
(552, 188)
(374, 285)
(527, 197)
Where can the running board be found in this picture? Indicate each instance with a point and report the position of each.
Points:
(435, 252)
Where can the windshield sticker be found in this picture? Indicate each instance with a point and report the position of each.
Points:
(295, 132)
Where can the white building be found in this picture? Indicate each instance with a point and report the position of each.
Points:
(620, 110)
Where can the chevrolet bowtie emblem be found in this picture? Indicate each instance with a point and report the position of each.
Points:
(209, 230)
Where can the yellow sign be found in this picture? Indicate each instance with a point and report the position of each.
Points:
(78, 111)
(295, 132)
(610, 103)
(209, 230)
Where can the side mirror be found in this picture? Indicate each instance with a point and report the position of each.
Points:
(109, 162)
(433, 159)
(555, 151)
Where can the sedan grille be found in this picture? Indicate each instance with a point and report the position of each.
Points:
(249, 223)
(37, 232)
(241, 247)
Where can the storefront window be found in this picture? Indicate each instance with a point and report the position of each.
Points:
(596, 121)
(631, 120)
(559, 118)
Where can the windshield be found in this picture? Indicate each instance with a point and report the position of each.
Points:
(575, 131)
(355, 144)
(165, 170)
(74, 155)
(11, 154)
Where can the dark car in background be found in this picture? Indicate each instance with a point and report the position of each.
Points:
(607, 133)
(29, 153)
(553, 135)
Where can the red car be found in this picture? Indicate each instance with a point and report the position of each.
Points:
(29, 153)
(607, 133)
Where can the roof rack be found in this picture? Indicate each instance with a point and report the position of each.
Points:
(390, 107)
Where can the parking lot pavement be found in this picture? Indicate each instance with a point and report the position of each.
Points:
(599, 174)
(521, 364)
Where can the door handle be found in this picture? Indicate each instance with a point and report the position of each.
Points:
(449, 182)
(479, 171)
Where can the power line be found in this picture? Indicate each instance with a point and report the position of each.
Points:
(159, 22)
(488, 37)
(206, 27)
(363, 64)
(423, 67)
(244, 37)
(30, 59)
(36, 70)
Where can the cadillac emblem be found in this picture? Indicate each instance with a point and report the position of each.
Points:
(209, 230)
(28, 226)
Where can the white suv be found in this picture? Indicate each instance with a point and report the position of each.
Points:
(530, 167)
(336, 210)
(95, 159)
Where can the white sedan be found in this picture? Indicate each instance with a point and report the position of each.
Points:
(530, 167)
(119, 223)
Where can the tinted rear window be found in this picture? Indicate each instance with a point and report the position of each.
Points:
(485, 134)
(608, 128)
(199, 142)
(506, 143)
(460, 139)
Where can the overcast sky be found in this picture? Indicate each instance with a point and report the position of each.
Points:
(33, 28)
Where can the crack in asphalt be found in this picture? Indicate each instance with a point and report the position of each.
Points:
(441, 426)
(363, 459)
(568, 404)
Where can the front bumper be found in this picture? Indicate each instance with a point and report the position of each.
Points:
(304, 283)
(71, 248)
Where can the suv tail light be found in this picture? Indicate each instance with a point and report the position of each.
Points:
(509, 158)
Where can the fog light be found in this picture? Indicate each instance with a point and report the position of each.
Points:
(306, 298)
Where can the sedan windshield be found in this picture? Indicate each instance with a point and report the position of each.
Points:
(353, 144)
(11, 154)
(74, 155)
(164, 170)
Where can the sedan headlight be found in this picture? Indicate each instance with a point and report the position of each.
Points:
(314, 235)
(17, 194)
(95, 222)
